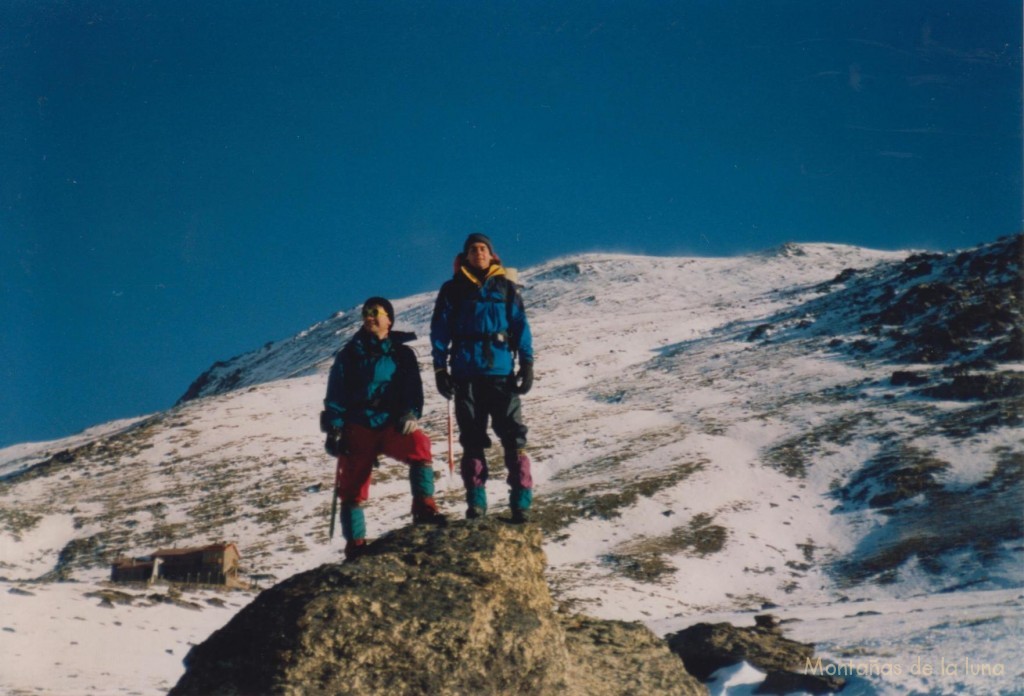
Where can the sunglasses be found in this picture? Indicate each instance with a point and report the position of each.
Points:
(373, 312)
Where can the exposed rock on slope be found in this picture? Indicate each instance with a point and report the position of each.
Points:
(457, 610)
(706, 648)
(965, 308)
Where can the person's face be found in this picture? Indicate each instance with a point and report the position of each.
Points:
(376, 321)
(479, 256)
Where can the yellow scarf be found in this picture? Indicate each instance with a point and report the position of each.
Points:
(494, 270)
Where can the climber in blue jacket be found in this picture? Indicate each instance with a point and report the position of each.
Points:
(477, 333)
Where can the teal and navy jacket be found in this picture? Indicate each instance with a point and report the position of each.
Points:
(373, 382)
(479, 324)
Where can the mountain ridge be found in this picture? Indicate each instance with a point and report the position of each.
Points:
(307, 350)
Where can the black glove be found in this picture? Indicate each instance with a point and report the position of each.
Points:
(524, 378)
(444, 383)
(335, 445)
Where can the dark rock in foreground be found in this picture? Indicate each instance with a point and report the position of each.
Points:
(705, 648)
(462, 609)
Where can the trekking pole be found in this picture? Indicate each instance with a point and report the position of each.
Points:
(451, 438)
(334, 499)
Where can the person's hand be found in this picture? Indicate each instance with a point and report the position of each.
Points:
(408, 424)
(335, 445)
(524, 378)
(444, 383)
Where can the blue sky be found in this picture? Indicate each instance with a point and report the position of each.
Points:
(183, 181)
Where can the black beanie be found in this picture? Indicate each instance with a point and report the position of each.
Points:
(381, 302)
(477, 238)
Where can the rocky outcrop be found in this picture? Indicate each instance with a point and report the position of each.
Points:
(608, 658)
(706, 648)
(462, 609)
(929, 309)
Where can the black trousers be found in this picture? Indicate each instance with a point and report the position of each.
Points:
(478, 399)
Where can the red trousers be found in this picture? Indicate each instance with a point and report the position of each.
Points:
(364, 444)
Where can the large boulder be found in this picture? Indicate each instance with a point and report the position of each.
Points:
(462, 609)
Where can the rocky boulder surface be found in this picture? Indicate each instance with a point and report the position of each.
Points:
(463, 609)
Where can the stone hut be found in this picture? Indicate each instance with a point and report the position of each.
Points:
(216, 564)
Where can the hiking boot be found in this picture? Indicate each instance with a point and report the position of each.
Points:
(424, 511)
(429, 517)
(355, 548)
(475, 513)
(520, 516)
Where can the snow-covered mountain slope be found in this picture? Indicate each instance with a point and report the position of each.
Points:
(802, 428)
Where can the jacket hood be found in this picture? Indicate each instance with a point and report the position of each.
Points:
(402, 336)
(395, 337)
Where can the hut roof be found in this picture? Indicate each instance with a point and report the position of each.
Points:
(224, 546)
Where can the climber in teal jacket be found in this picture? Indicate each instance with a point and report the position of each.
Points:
(373, 405)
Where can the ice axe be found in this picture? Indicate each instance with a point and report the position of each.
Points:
(334, 499)
(451, 442)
